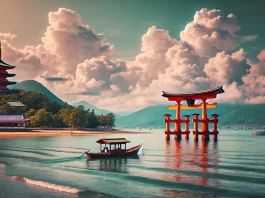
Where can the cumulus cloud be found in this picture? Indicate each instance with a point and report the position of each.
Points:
(72, 41)
(225, 68)
(7, 37)
(77, 63)
(232, 94)
(254, 82)
(211, 32)
(101, 70)
(152, 61)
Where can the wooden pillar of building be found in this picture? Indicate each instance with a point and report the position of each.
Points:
(167, 121)
(215, 130)
(205, 130)
(187, 123)
(195, 129)
(178, 122)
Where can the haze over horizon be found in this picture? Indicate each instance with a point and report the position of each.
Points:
(120, 55)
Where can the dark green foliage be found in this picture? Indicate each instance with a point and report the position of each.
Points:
(44, 112)
(107, 120)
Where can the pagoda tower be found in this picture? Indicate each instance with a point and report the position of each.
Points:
(4, 82)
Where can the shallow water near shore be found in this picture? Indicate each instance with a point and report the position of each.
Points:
(49, 167)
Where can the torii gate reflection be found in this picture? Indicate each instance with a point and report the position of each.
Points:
(188, 159)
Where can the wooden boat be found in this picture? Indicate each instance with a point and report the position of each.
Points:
(117, 148)
(258, 133)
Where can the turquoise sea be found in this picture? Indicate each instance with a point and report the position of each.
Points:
(48, 167)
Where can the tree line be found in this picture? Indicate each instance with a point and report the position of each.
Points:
(43, 112)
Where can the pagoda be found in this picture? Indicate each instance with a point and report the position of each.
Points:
(4, 75)
(10, 121)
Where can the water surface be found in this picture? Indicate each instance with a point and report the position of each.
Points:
(48, 167)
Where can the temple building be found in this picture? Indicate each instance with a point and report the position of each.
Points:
(15, 103)
(13, 121)
(10, 120)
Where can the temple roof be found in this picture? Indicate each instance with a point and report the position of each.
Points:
(113, 141)
(15, 103)
(2, 63)
(5, 74)
(191, 97)
(6, 82)
(7, 91)
(7, 66)
(12, 117)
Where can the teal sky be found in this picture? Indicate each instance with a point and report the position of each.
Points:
(125, 21)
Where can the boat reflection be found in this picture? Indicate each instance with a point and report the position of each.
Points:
(116, 165)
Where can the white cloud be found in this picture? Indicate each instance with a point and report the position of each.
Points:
(211, 32)
(77, 63)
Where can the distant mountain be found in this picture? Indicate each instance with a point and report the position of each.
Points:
(96, 110)
(229, 114)
(32, 85)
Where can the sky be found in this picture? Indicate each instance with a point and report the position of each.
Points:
(120, 55)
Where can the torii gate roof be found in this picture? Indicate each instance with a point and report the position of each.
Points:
(191, 97)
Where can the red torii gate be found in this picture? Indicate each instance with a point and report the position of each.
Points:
(190, 98)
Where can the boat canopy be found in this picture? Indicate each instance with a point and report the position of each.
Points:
(113, 141)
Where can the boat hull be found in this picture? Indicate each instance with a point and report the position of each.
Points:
(258, 133)
(129, 152)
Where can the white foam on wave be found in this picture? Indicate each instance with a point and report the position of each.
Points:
(56, 187)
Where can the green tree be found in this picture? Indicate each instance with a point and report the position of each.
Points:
(102, 120)
(42, 118)
(92, 121)
(110, 120)
(30, 113)
(64, 114)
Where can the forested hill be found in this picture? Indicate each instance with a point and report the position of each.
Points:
(32, 85)
(44, 112)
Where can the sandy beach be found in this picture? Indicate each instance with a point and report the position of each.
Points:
(64, 132)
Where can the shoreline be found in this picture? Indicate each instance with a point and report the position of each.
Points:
(63, 132)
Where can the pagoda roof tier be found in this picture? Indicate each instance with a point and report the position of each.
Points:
(6, 82)
(191, 97)
(5, 65)
(7, 91)
(6, 74)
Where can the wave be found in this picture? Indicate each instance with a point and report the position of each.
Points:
(56, 187)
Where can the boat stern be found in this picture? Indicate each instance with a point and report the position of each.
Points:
(88, 154)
